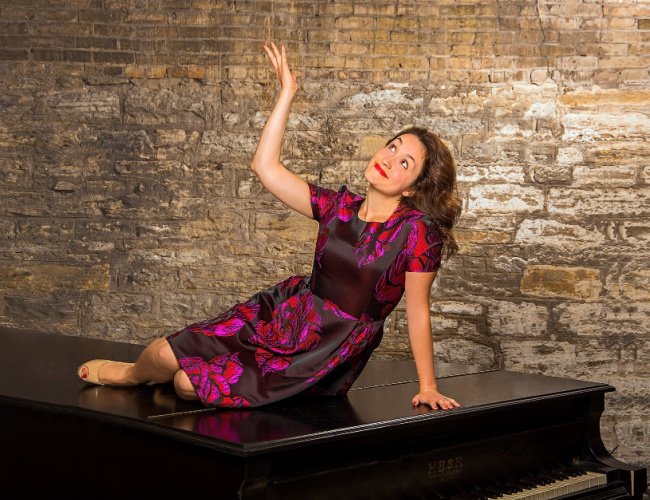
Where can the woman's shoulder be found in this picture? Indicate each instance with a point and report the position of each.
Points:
(421, 224)
(341, 191)
(328, 202)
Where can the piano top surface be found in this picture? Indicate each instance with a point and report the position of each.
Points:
(40, 369)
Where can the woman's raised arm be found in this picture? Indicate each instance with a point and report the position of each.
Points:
(283, 184)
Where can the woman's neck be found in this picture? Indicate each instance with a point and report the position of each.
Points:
(377, 207)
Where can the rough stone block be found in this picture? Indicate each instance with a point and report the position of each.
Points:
(595, 360)
(370, 144)
(15, 171)
(56, 312)
(588, 127)
(595, 201)
(522, 319)
(106, 305)
(456, 308)
(219, 144)
(632, 434)
(551, 174)
(632, 396)
(402, 95)
(606, 175)
(466, 237)
(630, 283)
(44, 230)
(183, 308)
(288, 225)
(538, 356)
(505, 198)
(636, 232)
(232, 226)
(190, 106)
(569, 155)
(84, 106)
(559, 281)
(552, 233)
(39, 278)
(490, 174)
(465, 351)
(609, 318)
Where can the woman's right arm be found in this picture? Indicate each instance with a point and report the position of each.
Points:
(283, 184)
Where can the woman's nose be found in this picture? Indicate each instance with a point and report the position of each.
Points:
(386, 163)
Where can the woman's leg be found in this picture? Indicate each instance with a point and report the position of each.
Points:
(183, 386)
(156, 363)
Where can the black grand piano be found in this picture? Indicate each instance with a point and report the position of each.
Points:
(516, 436)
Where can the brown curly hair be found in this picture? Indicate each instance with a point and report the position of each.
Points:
(434, 192)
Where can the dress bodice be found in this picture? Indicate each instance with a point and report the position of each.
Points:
(360, 265)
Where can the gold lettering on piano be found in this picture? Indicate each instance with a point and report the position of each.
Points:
(444, 468)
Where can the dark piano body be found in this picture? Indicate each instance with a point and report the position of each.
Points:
(518, 435)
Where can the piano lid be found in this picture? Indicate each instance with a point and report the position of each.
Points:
(40, 370)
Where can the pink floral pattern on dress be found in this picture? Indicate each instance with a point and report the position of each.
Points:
(270, 362)
(420, 254)
(390, 286)
(290, 283)
(327, 204)
(347, 204)
(229, 322)
(377, 238)
(352, 346)
(295, 327)
(336, 310)
(423, 247)
(321, 241)
(212, 379)
(323, 202)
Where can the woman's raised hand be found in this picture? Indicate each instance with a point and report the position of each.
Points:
(279, 60)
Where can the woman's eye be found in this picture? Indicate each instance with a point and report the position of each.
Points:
(405, 164)
(392, 147)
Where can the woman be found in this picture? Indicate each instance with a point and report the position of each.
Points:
(314, 334)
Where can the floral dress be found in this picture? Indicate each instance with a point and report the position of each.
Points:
(312, 334)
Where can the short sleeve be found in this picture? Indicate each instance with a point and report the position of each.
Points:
(424, 247)
(323, 200)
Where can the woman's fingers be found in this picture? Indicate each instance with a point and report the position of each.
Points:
(420, 401)
(273, 58)
(444, 403)
(278, 58)
(276, 64)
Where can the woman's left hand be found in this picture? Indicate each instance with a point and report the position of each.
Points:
(278, 58)
(434, 399)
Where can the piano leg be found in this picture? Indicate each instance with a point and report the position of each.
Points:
(256, 479)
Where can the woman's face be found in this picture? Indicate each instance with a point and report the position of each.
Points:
(394, 168)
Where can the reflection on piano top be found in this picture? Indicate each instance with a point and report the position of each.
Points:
(41, 369)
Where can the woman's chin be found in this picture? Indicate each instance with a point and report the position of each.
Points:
(372, 177)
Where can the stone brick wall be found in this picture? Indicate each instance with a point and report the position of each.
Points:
(128, 209)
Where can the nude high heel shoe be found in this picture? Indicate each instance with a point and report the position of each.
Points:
(89, 371)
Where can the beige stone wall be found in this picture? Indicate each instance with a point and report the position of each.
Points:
(128, 209)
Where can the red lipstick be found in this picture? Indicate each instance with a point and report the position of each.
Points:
(380, 170)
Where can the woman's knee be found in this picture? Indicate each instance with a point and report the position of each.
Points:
(164, 355)
(183, 386)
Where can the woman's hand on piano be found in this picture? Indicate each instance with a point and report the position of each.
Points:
(434, 399)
